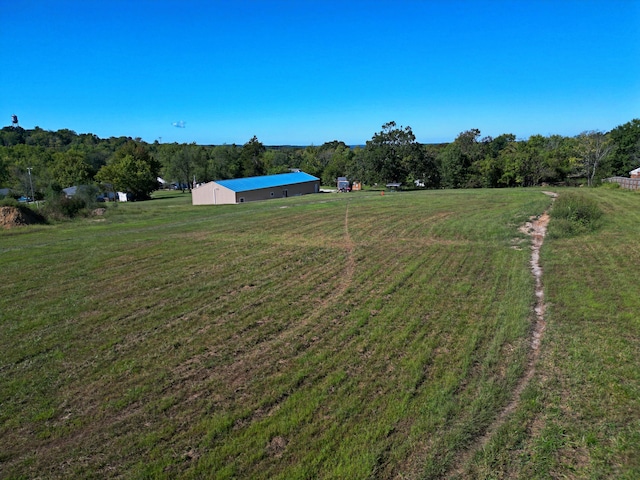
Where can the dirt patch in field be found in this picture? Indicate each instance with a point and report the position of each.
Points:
(276, 446)
(11, 217)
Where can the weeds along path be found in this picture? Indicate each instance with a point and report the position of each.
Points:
(536, 228)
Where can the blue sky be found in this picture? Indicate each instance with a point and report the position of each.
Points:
(309, 71)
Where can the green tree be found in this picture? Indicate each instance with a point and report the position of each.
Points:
(65, 137)
(251, 158)
(4, 165)
(70, 168)
(131, 170)
(337, 162)
(533, 161)
(19, 159)
(625, 155)
(389, 154)
(183, 162)
(594, 148)
(457, 158)
(97, 157)
(490, 169)
(560, 157)
(10, 136)
(523, 163)
(311, 162)
(422, 167)
(39, 137)
(224, 162)
(276, 161)
(536, 160)
(356, 168)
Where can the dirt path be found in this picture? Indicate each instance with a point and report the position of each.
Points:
(537, 229)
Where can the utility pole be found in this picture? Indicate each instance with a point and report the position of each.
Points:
(33, 197)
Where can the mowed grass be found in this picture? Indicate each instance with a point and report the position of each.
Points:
(580, 416)
(326, 336)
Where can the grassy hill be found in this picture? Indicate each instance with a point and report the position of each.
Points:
(326, 336)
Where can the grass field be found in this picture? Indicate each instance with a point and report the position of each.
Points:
(327, 336)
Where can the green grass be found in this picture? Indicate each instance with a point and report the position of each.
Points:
(581, 415)
(326, 336)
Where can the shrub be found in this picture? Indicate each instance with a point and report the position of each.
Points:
(574, 214)
(88, 194)
(9, 202)
(58, 206)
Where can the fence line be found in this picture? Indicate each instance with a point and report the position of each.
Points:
(625, 182)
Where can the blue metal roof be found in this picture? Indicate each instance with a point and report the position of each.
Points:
(266, 181)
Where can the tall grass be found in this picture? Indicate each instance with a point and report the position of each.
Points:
(574, 213)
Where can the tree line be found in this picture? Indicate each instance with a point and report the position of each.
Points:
(49, 161)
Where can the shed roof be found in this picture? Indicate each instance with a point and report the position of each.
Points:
(266, 181)
(632, 172)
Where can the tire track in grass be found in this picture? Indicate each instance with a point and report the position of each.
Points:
(350, 264)
(257, 351)
(331, 299)
(536, 229)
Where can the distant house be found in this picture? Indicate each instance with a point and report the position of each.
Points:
(70, 191)
(87, 191)
(635, 173)
(240, 190)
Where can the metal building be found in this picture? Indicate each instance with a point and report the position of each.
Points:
(240, 190)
